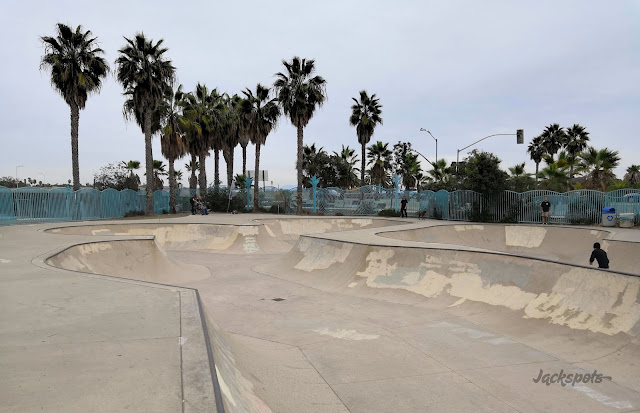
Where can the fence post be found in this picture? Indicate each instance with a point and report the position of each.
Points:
(247, 185)
(396, 183)
(314, 182)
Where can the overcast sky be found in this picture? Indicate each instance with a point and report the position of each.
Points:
(461, 69)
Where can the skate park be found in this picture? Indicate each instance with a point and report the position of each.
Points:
(251, 313)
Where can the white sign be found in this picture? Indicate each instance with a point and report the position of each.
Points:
(262, 174)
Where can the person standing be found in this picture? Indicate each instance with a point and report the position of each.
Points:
(600, 256)
(193, 204)
(545, 206)
(403, 207)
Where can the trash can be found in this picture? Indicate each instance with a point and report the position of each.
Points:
(626, 220)
(608, 217)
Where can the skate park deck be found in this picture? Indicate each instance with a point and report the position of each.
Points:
(315, 315)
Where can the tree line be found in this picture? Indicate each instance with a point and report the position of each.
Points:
(195, 123)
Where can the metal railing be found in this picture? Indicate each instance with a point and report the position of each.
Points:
(32, 204)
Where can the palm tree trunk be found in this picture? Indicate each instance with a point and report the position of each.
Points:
(244, 160)
(203, 174)
(537, 183)
(216, 172)
(172, 185)
(299, 167)
(148, 153)
(75, 166)
(362, 170)
(228, 158)
(256, 187)
(193, 181)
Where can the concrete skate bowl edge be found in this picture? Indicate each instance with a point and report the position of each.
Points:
(563, 244)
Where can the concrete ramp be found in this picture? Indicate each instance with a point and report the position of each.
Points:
(266, 236)
(577, 298)
(136, 259)
(564, 244)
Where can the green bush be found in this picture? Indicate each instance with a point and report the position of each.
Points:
(217, 200)
(388, 213)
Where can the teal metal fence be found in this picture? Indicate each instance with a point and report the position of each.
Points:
(32, 204)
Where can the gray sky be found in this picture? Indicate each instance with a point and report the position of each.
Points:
(462, 69)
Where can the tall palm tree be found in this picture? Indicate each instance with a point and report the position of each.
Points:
(576, 141)
(553, 138)
(599, 165)
(380, 160)
(173, 142)
(230, 132)
(299, 93)
(77, 69)
(536, 153)
(203, 112)
(633, 174)
(365, 116)
(145, 74)
(261, 115)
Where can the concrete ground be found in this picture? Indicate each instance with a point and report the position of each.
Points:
(341, 320)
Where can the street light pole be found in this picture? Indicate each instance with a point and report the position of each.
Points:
(520, 140)
(434, 138)
(425, 158)
(19, 166)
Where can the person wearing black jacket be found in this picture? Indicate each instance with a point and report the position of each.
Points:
(600, 256)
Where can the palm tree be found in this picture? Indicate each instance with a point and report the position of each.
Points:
(158, 171)
(347, 178)
(173, 142)
(380, 160)
(553, 138)
(261, 115)
(439, 171)
(145, 75)
(230, 132)
(314, 162)
(556, 177)
(599, 165)
(365, 116)
(77, 69)
(203, 113)
(133, 179)
(633, 174)
(192, 167)
(536, 152)
(299, 93)
(577, 139)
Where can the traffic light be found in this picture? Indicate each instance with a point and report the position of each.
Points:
(520, 136)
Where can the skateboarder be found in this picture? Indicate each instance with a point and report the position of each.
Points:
(403, 207)
(546, 207)
(600, 256)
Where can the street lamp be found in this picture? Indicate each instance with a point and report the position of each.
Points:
(519, 140)
(434, 138)
(19, 166)
(425, 158)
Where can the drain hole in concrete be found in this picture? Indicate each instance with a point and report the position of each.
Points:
(277, 299)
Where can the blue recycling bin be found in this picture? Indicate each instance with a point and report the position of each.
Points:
(608, 217)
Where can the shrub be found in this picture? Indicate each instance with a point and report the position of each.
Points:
(388, 213)
(133, 214)
(217, 200)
